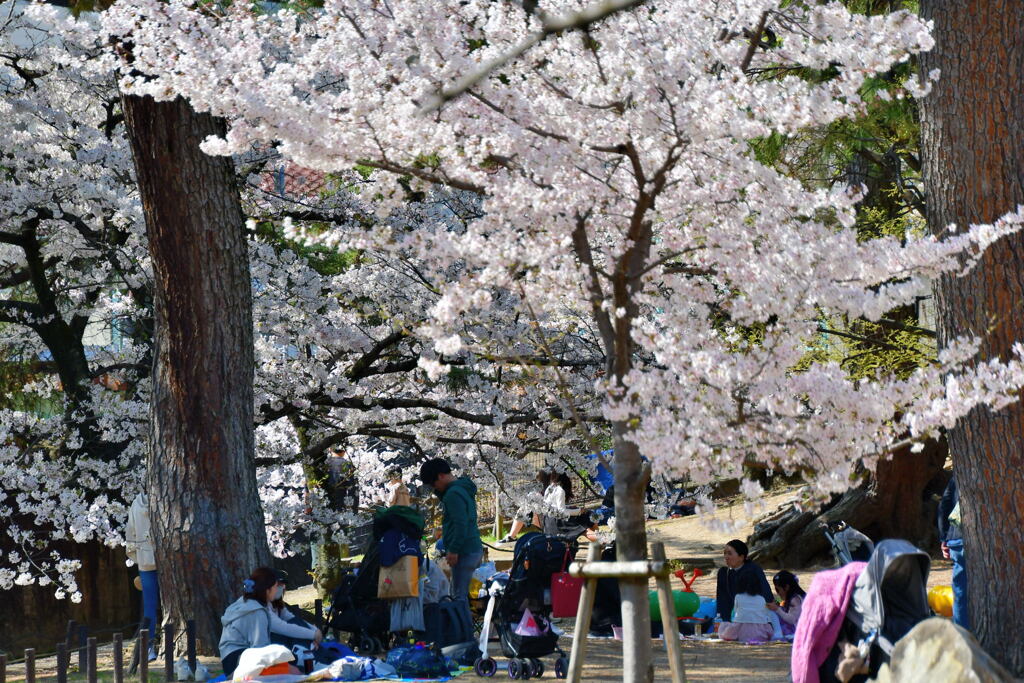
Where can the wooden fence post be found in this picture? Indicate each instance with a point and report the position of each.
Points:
(118, 658)
(3, 668)
(69, 636)
(579, 636)
(143, 649)
(30, 665)
(190, 643)
(169, 651)
(670, 626)
(83, 636)
(91, 647)
(62, 662)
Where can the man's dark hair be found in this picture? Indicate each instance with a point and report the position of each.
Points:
(432, 469)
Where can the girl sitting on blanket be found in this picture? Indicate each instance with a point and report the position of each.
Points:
(791, 597)
(750, 615)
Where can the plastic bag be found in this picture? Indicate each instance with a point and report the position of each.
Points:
(436, 586)
(182, 671)
(407, 613)
(411, 661)
(484, 572)
(528, 625)
(348, 668)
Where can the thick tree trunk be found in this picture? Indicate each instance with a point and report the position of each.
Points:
(972, 128)
(205, 510)
(899, 501)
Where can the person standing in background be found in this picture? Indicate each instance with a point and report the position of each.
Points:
(953, 549)
(459, 530)
(397, 493)
(139, 545)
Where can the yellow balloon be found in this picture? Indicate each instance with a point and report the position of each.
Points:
(940, 599)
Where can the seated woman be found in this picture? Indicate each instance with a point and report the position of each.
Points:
(563, 520)
(525, 514)
(736, 566)
(286, 628)
(791, 596)
(246, 621)
(750, 615)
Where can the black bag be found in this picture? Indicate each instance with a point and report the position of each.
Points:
(538, 557)
(447, 622)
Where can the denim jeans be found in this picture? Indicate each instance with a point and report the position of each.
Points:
(956, 553)
(150, 599)
(462, 573)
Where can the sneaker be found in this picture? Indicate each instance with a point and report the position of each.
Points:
(152, 654)
(506, 540)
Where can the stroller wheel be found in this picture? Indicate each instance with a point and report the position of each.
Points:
(538, 667)
(528, 670)
(485, 667)
(561, 667)
(515, 669)
(366, 644)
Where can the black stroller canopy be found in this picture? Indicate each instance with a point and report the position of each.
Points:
(890, 596)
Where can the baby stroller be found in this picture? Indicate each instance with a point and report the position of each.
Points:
(848, 544)
(355, 608)
(889, 598)
(526, 587)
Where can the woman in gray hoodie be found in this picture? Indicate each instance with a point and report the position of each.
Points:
(246, 621)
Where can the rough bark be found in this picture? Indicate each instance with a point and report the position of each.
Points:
(898, 501)
(206, 515)
(972, 128)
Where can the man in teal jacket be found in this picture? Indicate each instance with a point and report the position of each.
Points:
(459, 529)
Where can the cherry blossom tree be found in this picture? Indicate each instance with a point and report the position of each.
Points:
(616, 177)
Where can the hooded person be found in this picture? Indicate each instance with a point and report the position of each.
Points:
(246, 621)
(139, 546)
(459, 531)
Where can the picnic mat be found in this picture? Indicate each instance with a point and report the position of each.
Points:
(289, 678)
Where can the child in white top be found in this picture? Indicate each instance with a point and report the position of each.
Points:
(750, 616)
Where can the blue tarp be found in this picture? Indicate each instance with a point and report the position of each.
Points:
(604, 475)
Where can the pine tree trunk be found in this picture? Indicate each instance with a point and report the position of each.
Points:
(972, 128)
(205, 511)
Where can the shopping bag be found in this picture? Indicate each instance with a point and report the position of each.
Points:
(400, 580)
(565, 594)
(565, 591)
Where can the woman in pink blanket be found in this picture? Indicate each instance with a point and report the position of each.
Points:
(821, 617)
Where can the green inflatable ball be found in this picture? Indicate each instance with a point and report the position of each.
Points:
(685, 603)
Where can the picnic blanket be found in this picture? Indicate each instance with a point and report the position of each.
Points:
(288, 678)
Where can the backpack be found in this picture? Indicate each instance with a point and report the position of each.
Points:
(541, 556)
(447, 622)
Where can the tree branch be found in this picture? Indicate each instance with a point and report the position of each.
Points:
(574, 21)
